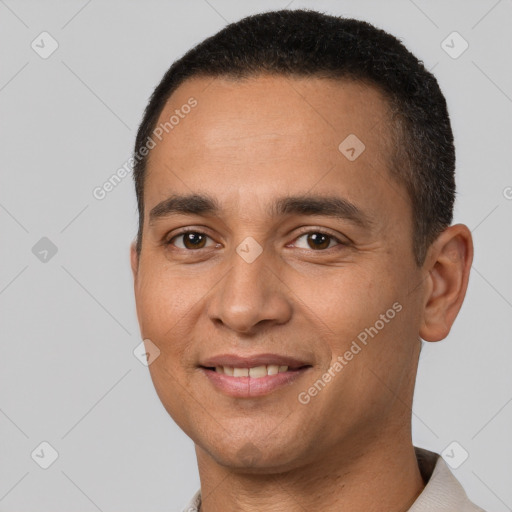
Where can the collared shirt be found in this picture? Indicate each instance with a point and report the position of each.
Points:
(442, 492)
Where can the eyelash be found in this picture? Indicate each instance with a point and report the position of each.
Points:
(313, 231)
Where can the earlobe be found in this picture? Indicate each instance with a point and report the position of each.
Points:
(450, 258)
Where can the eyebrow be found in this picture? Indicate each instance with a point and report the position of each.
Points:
(203, 204)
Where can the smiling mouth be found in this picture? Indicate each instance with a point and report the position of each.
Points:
(255, 372)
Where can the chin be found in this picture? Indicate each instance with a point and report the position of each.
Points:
(251, 459)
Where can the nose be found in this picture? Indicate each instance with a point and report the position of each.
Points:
(251, 296)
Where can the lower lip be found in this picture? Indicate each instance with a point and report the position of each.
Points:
(248, 387)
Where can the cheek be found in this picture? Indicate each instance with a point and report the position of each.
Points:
(346, 300)
(164, 306)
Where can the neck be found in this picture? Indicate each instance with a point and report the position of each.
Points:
(368, 477)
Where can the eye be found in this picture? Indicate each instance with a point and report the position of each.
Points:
(318, 240)
(190, 240)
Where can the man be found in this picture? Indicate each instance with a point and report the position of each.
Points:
(295, 183)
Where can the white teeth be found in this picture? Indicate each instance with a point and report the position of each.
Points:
(240, 372)
(256, 372)
(273, 369)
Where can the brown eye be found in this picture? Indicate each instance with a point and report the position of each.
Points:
(317, 240)
(190, 240)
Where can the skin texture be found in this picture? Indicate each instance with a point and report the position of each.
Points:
(246, 143)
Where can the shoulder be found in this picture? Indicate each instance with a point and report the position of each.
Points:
(195, 503)
(442, 492)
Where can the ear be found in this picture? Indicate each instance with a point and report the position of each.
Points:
(134, 260)
(448, 264)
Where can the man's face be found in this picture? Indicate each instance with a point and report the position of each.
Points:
(255, 279)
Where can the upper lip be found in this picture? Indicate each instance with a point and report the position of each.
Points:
(236, 361)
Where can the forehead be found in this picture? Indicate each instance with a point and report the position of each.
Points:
(266, 134)
(231, 111)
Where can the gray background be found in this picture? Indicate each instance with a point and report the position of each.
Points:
(68, 373)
